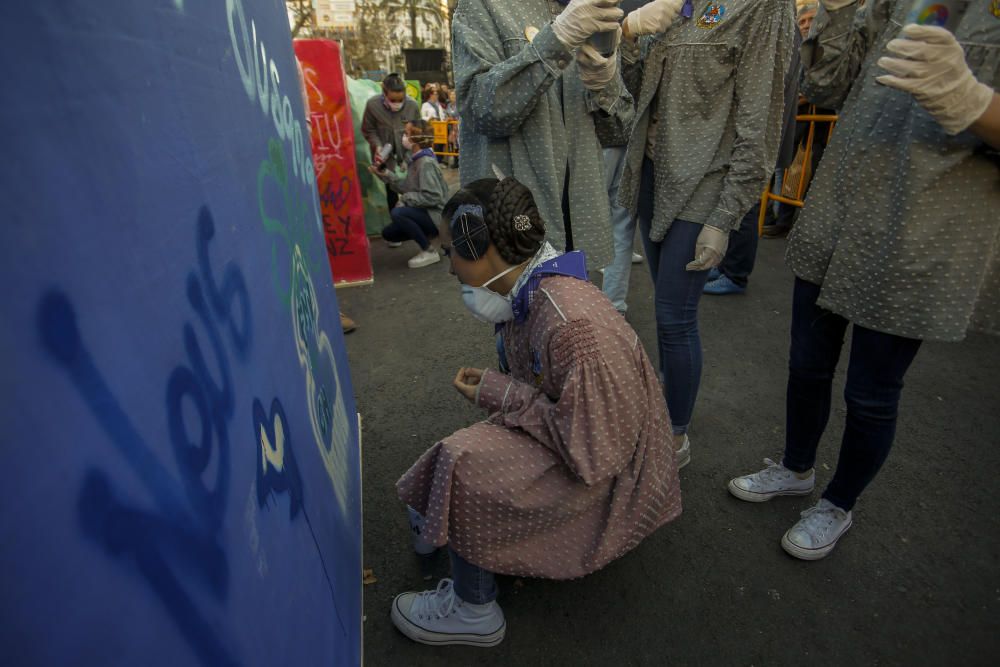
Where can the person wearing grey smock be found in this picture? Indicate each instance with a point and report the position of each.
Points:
(708, 124)
(384, 122)
(528, 84)
(899, 236)
(422, 195)
(614, 142)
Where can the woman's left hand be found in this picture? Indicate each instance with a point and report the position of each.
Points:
(467, 382)
(930, 65)
(709, 249)
(597, 71)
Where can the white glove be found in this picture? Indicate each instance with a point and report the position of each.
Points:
(834, 5)
(932, 68)
(709, 249)
(583, 18)
(652, 18)
(596, 71)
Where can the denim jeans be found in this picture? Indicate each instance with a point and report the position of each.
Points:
(677, 293)
(472, 583)
(616, 274)
(410, 224)
(875, 373)
(741, 255)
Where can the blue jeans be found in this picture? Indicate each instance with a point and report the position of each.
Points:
(677, 293)
(616, 274)
(410, 224)
(472, 583)
(874, 383)
(741, 255)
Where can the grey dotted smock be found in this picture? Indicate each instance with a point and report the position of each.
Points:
(901, 224)
(716, 84)
(524, 109)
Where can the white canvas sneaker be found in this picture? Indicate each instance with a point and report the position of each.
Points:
(441, 618)
(816, 533)
(683, 453)
(394, 244)
(423, 258)
(774, 480)
(636, 258)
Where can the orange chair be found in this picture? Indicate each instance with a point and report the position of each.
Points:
(800, 189)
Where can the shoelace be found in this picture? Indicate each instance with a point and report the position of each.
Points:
(440, 602)
(820, 518)
(768, 474)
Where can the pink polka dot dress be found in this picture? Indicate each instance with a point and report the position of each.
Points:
(574, 466)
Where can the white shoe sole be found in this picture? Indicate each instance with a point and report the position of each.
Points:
(753, 497)
(420, 265)
(424, 636)
(811, 554)
(683, 457)
(683, 461)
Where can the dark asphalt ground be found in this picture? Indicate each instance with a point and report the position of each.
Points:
(914, 582)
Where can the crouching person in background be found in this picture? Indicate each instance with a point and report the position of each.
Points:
(422, 194)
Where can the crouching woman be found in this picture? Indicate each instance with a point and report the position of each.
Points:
(574, 466)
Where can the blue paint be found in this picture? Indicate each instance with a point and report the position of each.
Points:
(270, 480)
(163, 240)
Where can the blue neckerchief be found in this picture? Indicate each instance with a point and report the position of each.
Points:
(572, 264)
(423, 152)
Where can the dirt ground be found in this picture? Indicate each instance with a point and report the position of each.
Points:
(915, 581)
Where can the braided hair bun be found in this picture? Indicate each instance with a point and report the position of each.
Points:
(501, 213)
(516, 229)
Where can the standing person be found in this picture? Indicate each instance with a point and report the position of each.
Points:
(383, 122)
(529, 85)
(899, 238)
(733, 275)
(704, 145)
(431, 108)
(444, 99)
(451, 109)
(433, 111)
(422, 195)
(787, 213)
(574, 467)
(614, 140)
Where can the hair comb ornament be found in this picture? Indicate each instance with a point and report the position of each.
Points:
(522, 223)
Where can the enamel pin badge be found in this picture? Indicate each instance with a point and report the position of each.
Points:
(711, 16)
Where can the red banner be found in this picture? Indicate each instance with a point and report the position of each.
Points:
(332, 135)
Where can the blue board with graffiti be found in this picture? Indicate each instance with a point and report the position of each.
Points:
(182, 476)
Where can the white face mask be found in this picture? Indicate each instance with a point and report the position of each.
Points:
(485, 304)
(407, 144)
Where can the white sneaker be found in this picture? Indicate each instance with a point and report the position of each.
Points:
(441, 618)
(394, 244)
(683, 453)
(774, 480)
(636, 258)
(817, 532)
(423, 258)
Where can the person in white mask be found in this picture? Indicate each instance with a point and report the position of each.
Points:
(384, 122)
(575, 465)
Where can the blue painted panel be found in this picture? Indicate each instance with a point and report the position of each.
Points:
(181, 443)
